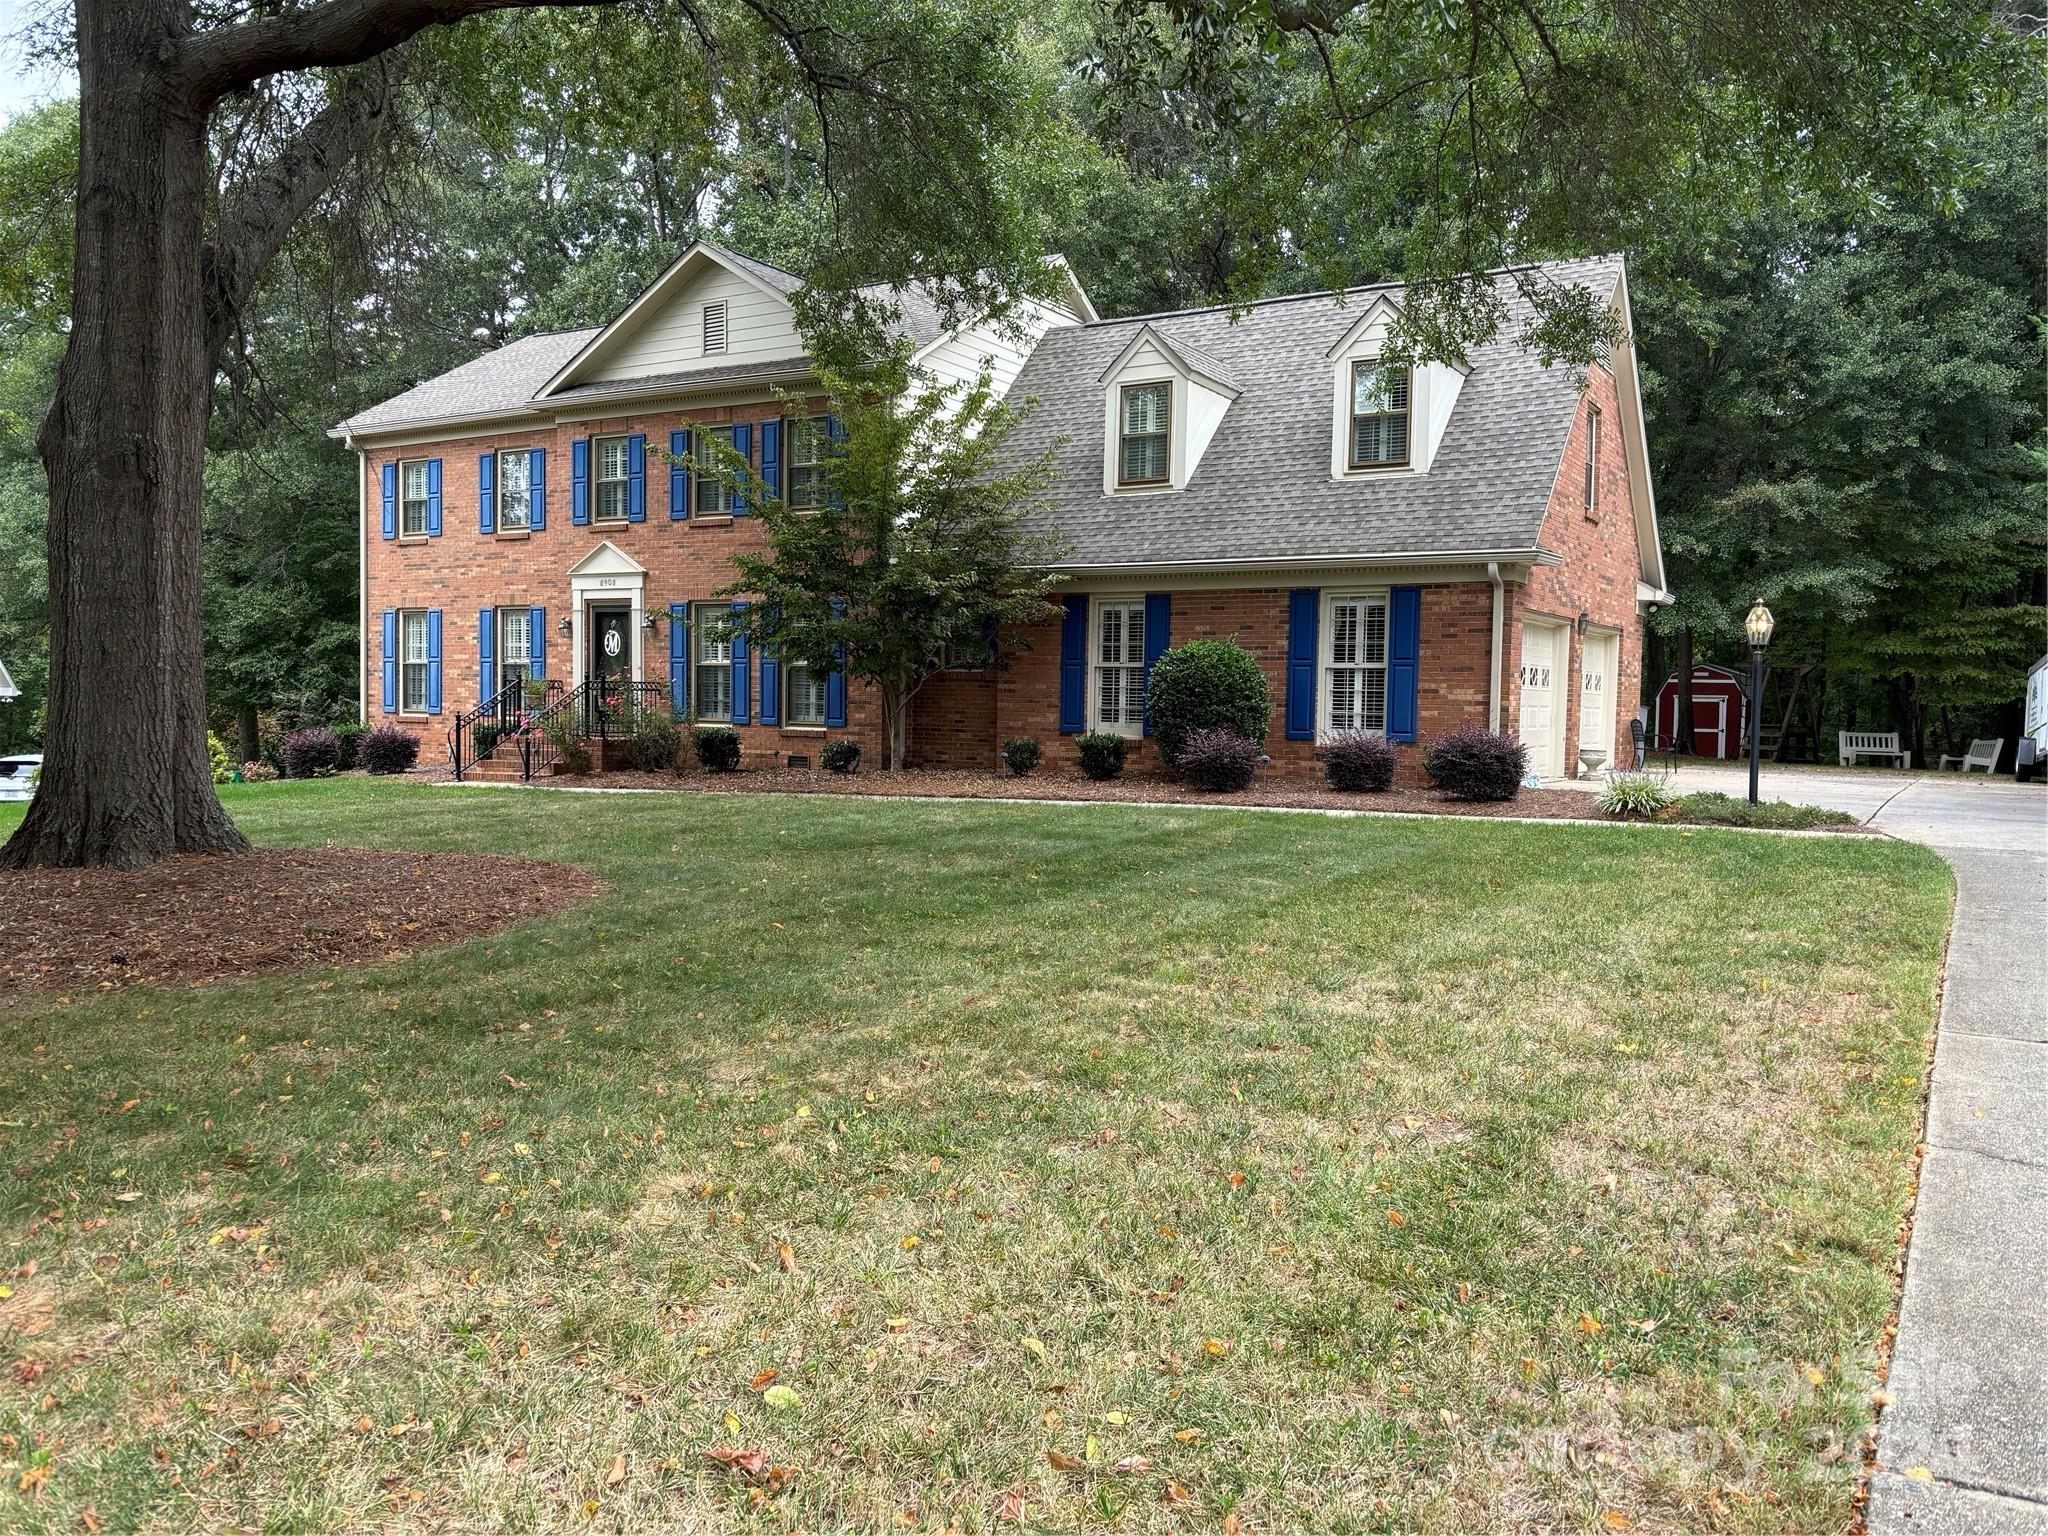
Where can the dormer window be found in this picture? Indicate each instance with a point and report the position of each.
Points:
(1146, 436)
(1379, 415)
(714, 326)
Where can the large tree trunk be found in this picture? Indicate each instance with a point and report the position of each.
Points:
(1681, 728)
(126, 779)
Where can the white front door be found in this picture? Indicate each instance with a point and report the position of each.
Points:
(1596, 696)
(1539, 680)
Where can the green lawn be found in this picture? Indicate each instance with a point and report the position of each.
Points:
(1347, 1174)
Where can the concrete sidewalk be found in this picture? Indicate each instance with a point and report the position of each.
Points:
(1964, 1445)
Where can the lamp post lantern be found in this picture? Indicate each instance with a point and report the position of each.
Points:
(1758, 626)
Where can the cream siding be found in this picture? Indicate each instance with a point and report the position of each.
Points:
(759, 327)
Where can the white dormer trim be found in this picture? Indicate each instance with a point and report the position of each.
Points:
(1197, 402)
(650, 302)
(607, 560)
(1432, 393)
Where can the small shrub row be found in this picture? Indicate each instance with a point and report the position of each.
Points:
(841, 756)
(1219, 761)
(1102, 754)
(656, 744)
(1358, 761)
(1021, 754)
(387, 749)
(1473, 763)
(311, 754)
(717, 748)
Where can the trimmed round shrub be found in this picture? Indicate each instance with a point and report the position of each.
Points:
(309, 754)
(1358, 760)
(1473, 763)
(1206, 685)
(656, 745)
(349, 733)
(1220, 761)
(1021, 755)
(718, 748)
(1102, 754)
(223, 766)
(841, 756)
(387, 749)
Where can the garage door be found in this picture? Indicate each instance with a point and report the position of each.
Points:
(1541, 727)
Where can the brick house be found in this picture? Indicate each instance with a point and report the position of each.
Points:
(1404, 549)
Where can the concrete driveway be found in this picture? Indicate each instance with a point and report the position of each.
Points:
(1963, 1447)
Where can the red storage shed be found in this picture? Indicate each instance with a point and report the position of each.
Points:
(1718, 710)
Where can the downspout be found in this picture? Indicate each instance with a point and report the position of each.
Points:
(1493, 674)
(362, 582)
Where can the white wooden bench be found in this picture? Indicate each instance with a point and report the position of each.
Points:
(1982, 754)
(1855, 744)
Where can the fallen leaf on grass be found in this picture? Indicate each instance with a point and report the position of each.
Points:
(781, 1396)
(752, 1463)
(1217, 1347)
(1034, 1347)
(264, 1430)
(1060, 1461)
(785, 1256)
(761, 1381)
(1614, 1519)
(1133, 1464)
(1588, 1323)
(617, 1474)
(1011, 1510)
(32, 1481)
(90, 1519)
(1396, 1219)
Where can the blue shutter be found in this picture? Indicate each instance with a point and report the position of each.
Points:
(679, 657)
(742, 673)
(579, 481)
(835, 680)
(390, 501)
(486, 493)
(1303, 606)
(537, 640)
(771, 688)
(743, 445)
(1404, 657)
(678, 475)
(771, 457)
(1158, 630)
(1074, 667)
(433, 661)
(486, 657)
(388, 656)
(433, 498)
(636, 478)
(537, 477)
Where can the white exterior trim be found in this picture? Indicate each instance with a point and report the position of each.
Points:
(607, 574)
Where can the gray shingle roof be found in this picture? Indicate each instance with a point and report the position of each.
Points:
(780, 367)
(502, 380)
(1263, 489)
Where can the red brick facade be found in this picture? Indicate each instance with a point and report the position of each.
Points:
(961, 719)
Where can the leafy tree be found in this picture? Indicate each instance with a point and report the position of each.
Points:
(918, 554)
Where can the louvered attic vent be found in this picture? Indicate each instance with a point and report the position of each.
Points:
(714, 327)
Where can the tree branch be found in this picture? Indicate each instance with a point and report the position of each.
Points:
(333, 35)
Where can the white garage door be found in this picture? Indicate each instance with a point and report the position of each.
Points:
(1540, 672)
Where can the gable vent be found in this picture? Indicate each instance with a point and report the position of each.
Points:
(714, 326)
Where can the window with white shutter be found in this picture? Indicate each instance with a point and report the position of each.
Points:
(1119, 665)
(1355, 663)
(412, 479)
(412, 653)
(613, 462)
(515, 498)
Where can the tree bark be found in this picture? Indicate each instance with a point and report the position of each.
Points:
(126, 778)
(1681, 728)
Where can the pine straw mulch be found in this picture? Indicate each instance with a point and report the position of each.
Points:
(201, 917)
(1309, 794)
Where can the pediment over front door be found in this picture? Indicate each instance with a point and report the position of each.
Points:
(607, 560)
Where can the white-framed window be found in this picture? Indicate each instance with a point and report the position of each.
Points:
(714, 326)
(1354, 662)
(412, 661)
(1592, 494)
(412, 499)
(1379, 415)
(515, 645)
(515, 489)
(803, 465)
(1144, 434)
(1118, 664)
(714, 495)
(711, 663)
(803, 695)
(613, 467)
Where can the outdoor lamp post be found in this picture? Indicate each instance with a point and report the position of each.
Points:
(1758, 627)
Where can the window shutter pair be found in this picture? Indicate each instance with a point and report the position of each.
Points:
(1158, 635)
(679, 657)
(579, 481)
(771, 457)
(390, 478)
(742, 673)
(1404, 658)
(487, 493)
(1074, 667)
(486, 655)
(678, 478)
(835, 680)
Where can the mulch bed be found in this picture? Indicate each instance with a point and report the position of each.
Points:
(1544, 804)
(199, 918)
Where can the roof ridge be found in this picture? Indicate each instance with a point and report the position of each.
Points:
(1331, 293)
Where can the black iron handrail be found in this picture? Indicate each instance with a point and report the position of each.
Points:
(614, 706)
(477, 733)
(540, 738)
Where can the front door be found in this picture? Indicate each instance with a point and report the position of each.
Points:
(1596, 695)
(611, 647)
